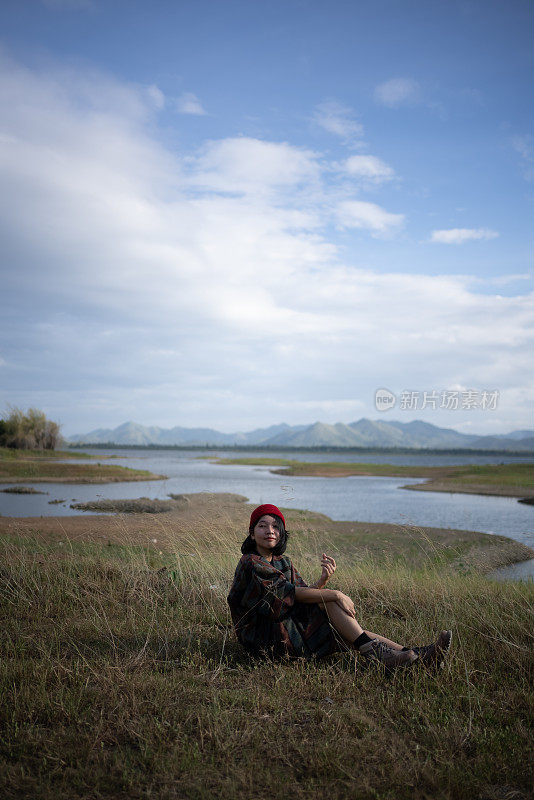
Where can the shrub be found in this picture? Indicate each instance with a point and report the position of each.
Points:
(28, 431)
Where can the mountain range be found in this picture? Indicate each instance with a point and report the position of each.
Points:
(363, 433)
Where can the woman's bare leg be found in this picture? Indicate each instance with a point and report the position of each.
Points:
(390, 656)
(347, 626)
(350, 629)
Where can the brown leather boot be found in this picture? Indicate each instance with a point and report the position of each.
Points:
(379, 652)
(433, 655)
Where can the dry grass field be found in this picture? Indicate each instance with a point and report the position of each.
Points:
(121, 677)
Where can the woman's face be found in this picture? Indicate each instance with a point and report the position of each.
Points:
(266, 535)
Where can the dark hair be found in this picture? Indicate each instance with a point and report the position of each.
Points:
(249, 545)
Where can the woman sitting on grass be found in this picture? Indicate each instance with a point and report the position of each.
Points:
(276, 614)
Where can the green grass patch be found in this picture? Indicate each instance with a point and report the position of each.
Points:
(121, 682)
(334, 468)
(514, 480)
(513, 475)
(40, 468)
(16, 454)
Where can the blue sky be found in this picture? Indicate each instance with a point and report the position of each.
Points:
(233, 214)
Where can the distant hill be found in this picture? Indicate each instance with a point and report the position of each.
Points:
(131, 433)
(363, 433)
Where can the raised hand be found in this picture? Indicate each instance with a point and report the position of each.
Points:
(328, 567)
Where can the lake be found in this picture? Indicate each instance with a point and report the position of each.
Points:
(364, 498)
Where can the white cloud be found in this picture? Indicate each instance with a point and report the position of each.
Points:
(156, 96)
(369, 167)
(188, 103)
(369, 216)
(167, 287)
(505, 280)
(461, 235)
(524, 145)
(338, 119)
(243, 164)
(397, 92)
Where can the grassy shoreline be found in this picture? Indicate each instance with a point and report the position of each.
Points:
(15, 454)
(414, 546)
(38, 466)
(122, 683)
(507, 480)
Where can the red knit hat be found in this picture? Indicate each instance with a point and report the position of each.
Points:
(260, 511)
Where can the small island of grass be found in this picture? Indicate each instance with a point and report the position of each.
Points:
(47, 466)
(507, 480)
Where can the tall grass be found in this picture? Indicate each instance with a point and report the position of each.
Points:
(122, 678)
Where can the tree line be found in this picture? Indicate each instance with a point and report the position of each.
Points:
(28, 431)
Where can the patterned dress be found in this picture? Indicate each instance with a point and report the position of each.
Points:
(268, 620)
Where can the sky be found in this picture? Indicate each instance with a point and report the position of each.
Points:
(236, 213)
